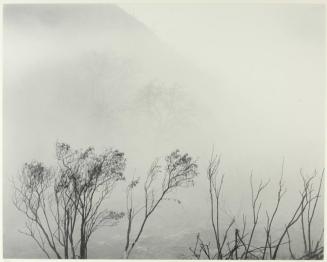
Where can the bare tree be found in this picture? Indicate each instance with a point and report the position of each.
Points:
(270, 218)
(215, 188)
(179, 170)
(310, 196)
(64, 203)
(304, 202)
(255, 210)
(241, 245)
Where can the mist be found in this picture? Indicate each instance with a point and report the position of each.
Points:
(246, 80)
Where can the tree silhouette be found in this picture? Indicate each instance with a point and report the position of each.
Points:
(179, 170)
(63, 205)
(240, 244)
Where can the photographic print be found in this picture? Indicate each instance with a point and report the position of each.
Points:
(164, 130)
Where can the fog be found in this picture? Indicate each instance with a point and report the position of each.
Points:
(248, 80)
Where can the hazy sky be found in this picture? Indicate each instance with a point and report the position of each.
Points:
(270, 59)
(222, 39)
(250, 78)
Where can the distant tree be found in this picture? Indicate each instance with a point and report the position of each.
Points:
(63, 205)
(165, 105)
(179, 170)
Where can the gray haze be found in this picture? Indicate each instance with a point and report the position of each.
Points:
(147, 79)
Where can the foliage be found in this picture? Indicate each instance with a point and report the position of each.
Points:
(179, 170)
(64, 203)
